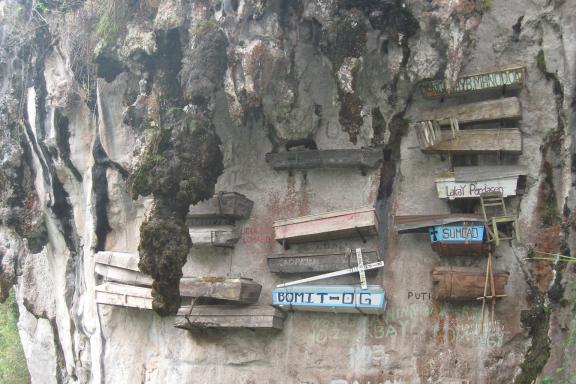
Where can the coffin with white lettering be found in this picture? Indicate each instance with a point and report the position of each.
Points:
(471, 182)
(331, 298)
(325, 226)
(459, 240)
(505, 77)
(318, 262)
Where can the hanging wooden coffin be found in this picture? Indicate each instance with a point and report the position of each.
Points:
(466, 239)
(118, 259)
(464, 283)
(331, 298)
(241, 290)
(508, 77)
(332, 225)
(471, 182)
(217, 236)
(120, 267)
(230, 317)
(124, 295)
(222, 209)
(318, 262)
(363, 158)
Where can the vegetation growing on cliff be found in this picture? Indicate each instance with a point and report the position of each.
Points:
(13, 369)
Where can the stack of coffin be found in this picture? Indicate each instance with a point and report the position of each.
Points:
(230, 299)
(212, 221)
(450, 234)
(463, 283)
(363, 158)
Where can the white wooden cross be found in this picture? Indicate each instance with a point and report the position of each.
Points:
(361, 268)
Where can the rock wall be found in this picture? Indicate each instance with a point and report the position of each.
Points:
(93, 91)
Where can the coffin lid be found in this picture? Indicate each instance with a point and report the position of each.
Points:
(303, 219)
(421, 223)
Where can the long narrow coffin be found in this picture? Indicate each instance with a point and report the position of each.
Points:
(507, 140)
(421, 223)
(510, 77)
(241, 290)
(124, 295)
(121, 275)
(118, 259)
(471, 182)
(491, 110)
(465, 239)
(331, 298)
(463, 283)
(223, 207)
(318, 262)
(215, 236)
(230, 317)
(331, 225)
(363, 158)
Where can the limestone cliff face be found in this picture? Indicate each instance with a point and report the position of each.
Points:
(116, 115)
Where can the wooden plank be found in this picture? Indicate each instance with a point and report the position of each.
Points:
(464, 283)
(331, 298)
(214, 236)
(511, 77)
(223, 205)
(118, 259)
(241, 289)
(121, 275)
(507, 140)
(421, 223)
(364, 158)
(230, 317)
(490, 110)
(318, 262)
(124, 295)
(329, 225)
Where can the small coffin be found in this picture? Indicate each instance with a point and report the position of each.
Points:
(318, 262)
(124, 295)
(230, 317)
(471, 182)
(508, 77)
(465, 239)
(463, 283)
(331, 298)
(364, 158)
(217, 236)
(332, 225)
(241, 290)
(224, 207)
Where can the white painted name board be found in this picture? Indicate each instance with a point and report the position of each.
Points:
(331, 298)
(449, 189)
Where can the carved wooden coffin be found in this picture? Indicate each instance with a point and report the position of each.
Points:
(124, 295)
(471, 182)
(331, 298)
(223, 208)
(464, 283)
(230, 317)
(242, 290)
(363, 158)
(508, 77)
(331, 225)
(465, 239)
(216, 236)
(318, 262)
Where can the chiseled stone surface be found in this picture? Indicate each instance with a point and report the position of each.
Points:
(342, 73)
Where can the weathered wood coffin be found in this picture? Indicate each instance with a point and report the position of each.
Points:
(118, 259)
(241, 290)
(510, 77)
(331, 225)
(422, 223)
(464, 283)
(318, 262)
(471, 182)
(222, 207)
(363, 158)
(121, 275)
(506, 140)
(230, 317)
(466, 239)
(124, 295)
(217, 236)
(331, 298)
(491, 110)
